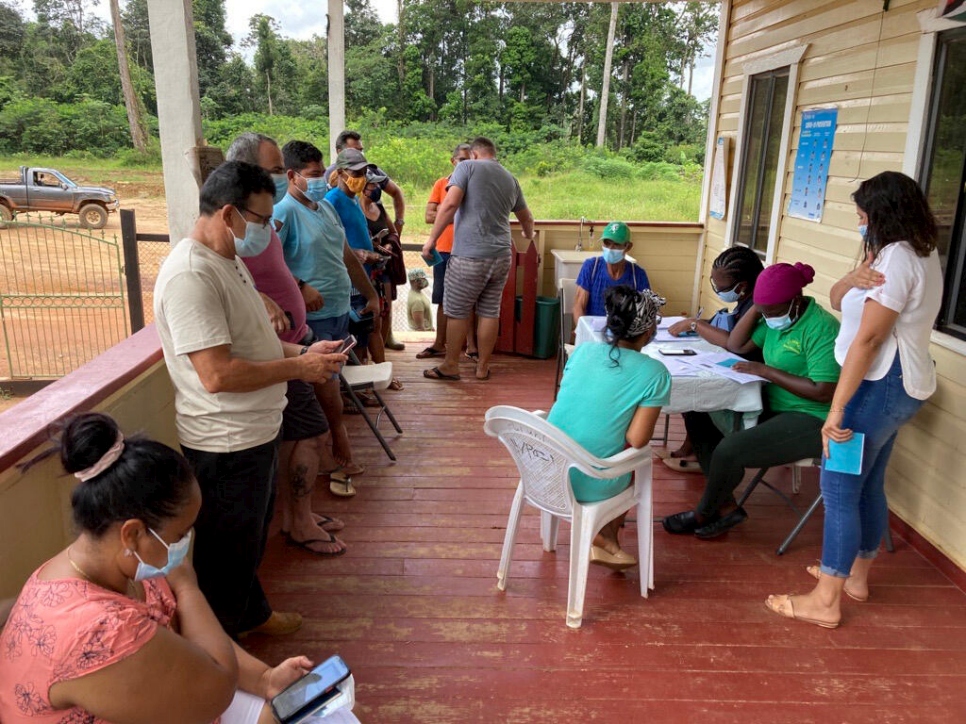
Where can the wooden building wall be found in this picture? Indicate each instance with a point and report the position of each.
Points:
(863, 61)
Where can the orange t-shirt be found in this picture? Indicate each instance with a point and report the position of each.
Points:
(64, 629)
(445, 242)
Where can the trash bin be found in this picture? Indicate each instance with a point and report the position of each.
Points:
(546, 327)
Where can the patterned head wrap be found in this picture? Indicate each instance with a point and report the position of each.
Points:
(644, 308)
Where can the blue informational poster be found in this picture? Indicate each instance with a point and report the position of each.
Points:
(811, 163)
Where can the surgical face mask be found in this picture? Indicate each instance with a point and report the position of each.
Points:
(863, 230)
(355, 185)
(281, 186)
(315, 189)
(779, 323)
(176, 555)
(257, 238)
(729, 296)
(612, 256)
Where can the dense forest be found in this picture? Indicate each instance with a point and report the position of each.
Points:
(529, 71)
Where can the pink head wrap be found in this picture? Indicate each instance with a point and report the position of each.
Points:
(781, 283)
(106, 461)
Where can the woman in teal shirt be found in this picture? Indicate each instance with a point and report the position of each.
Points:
(610, 397)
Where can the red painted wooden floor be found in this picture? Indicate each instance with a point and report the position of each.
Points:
(413, 606)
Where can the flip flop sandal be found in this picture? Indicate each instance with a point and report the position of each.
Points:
(330, 525)
(435, 374)
(485, 377)
(367, 399)
(325, 554)
(342, 487)
(475, 356)
(682, 466)
(430, 352)
(395, 384)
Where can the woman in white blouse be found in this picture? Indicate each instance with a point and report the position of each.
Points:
(889, 305)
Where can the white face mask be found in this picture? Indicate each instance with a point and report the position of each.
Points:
(257, 238)
(176, 555)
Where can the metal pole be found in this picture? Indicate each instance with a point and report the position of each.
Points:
(132, 269)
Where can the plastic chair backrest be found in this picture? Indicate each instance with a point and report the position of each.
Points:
(543, 455)
(567, 292)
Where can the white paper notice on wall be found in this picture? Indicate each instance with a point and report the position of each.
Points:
(719, 178)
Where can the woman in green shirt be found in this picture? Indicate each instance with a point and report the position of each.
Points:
(797, 339)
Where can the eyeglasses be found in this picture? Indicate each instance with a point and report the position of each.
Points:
(265, 220)
(714, 287)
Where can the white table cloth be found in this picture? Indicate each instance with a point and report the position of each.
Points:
(707, 392)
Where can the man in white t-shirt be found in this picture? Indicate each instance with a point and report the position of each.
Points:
(229, 371)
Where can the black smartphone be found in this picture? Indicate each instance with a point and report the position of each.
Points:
(310, 693)
(672, 352)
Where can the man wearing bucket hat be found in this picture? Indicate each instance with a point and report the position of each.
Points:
(419, 311)
(610, 269)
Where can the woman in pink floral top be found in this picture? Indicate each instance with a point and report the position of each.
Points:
(114, 628)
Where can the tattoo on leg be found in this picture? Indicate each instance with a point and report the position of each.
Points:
(300, 485)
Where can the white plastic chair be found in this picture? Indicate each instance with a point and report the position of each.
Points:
(544, 456)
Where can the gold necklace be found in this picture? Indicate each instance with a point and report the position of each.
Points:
(131, 588)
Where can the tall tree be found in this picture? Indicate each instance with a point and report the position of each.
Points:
(135, 121)
(605, 90)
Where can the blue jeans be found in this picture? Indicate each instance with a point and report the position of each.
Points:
(856, 512)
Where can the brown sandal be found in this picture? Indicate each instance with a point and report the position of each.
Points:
(816, 572)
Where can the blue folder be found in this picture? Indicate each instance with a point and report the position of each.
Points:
(846, 457)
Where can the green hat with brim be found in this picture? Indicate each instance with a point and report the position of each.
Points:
(617, 232)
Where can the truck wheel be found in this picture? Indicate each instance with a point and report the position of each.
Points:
(5, 216)
(93, 216)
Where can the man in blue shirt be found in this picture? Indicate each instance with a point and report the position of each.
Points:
(316, 252)
(351, 167)
(607, 270)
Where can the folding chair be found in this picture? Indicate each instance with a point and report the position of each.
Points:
(544, 456)
(803, 516)
(372, 378)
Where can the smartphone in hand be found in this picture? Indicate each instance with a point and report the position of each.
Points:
(348, 343)
(310, 693)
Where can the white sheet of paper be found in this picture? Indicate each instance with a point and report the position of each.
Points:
(710, 362)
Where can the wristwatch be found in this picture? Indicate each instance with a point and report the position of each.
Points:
(305, 348)
(400, 222)
(694, 325)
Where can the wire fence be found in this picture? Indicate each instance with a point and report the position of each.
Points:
(62, 296)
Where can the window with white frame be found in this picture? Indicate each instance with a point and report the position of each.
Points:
(759, 160)
(943, 173)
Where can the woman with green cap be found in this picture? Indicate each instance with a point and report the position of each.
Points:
(610, 269)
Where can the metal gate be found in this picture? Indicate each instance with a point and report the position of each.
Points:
(62, 297)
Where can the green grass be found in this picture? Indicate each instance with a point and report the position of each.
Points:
(575, 194)
(560, 196)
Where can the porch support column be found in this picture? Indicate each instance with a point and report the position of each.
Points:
(179, 110)
(336, 45)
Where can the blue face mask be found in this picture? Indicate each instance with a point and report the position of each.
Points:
(315, 189)
(779, 323)
(612, 256)
(863, 230)
(257, 239)
(729, 296)
(176, 555)
(281, 186)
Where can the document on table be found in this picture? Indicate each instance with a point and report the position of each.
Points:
(721, 363)
(664, 336)
(678, 366)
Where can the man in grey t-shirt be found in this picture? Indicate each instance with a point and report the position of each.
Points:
(480, 196)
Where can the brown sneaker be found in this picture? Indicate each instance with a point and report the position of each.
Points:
(278, 624)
